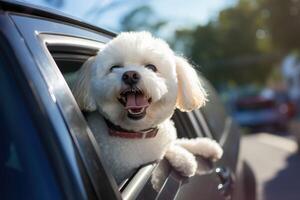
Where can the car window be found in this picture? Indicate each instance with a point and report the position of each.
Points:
(24, 170)
(69, 59)
(214, 111)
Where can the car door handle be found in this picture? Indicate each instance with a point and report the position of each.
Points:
(226, 178)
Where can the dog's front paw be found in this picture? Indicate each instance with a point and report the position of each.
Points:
(181, 160)
(205, 147)
(212, 149)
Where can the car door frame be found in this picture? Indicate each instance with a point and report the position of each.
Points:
(43, 111)
(38, 33)
(39, 37)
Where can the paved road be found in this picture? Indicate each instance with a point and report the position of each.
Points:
(276, 165)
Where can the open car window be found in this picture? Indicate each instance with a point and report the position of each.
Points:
(69, 54)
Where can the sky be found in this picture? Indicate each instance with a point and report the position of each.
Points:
(180, 13)
(199, 11)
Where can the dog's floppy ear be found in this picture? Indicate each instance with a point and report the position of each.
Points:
(191, 95)
(81, 87)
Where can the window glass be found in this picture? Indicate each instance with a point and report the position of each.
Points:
(24, 170)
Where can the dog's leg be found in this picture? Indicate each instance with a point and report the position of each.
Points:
(182, 160)
(205, 147)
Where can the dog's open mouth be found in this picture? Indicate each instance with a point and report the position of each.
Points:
(135, 102)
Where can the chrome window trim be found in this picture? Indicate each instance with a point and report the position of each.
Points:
(68, 40)
(199, 115)
(138, 182)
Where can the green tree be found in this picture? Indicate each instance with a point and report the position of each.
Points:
(230, 48)
(284, 23)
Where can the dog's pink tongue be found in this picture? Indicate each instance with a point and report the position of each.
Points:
(136, 101)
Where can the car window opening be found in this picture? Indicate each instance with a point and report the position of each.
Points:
(69, 59)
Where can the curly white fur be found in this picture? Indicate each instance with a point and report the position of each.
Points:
(175, 84)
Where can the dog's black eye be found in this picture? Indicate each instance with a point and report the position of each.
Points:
(152, 67)
(114, 67)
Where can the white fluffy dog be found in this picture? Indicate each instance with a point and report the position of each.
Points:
(134, 84)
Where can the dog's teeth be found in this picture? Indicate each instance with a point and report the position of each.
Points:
(136, 113)
(141, 111)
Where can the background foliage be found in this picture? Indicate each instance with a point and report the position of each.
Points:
(242, 45)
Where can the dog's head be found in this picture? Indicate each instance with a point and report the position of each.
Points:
(136, 82)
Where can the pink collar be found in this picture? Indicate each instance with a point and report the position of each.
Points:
(117, 131)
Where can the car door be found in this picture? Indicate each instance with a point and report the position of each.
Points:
(42, 37)
(218, 182)
(215, 181)
(59, 49)
(202, 186)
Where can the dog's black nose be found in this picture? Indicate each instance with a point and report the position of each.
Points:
(131, 77)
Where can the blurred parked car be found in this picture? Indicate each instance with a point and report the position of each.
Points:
(47, 151)
(260, 113)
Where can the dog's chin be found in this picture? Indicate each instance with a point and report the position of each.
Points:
(135, 103)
